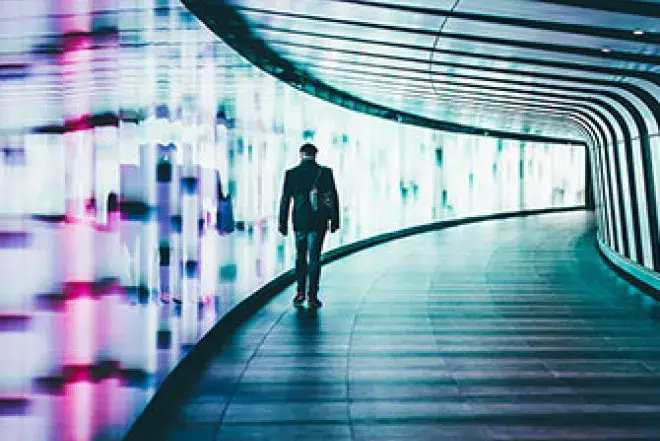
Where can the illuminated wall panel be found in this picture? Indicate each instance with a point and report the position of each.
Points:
(110, 257)
(635, 234)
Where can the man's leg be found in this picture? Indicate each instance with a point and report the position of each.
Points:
(301, 266)
(315, 246)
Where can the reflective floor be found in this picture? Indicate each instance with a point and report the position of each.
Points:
(504, 330)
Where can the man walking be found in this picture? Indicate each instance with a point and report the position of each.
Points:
(315, 204)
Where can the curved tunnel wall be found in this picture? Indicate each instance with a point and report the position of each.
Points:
(624, 171)
(148, 105)
(614, 106)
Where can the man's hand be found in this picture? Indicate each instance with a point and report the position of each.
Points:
(282, 229)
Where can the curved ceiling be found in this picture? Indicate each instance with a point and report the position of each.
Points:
(554, 69)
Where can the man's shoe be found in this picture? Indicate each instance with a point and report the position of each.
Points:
(299, 299)
(314, 301)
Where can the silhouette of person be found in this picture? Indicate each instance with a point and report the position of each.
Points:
(315, 205)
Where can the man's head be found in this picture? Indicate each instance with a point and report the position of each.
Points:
(308, 150)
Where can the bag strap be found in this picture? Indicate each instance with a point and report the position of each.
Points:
(317, 177)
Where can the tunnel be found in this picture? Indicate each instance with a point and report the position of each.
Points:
(490, 259)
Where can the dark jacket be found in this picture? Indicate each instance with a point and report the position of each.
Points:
(297, 184)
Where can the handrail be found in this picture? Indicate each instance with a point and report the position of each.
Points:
(644, 278)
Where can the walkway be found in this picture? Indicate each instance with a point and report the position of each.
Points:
(504, 330)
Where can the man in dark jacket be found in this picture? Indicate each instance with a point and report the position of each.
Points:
(309, 224)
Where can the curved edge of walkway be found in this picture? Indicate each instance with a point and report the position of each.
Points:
(175, 387)
(643, 278)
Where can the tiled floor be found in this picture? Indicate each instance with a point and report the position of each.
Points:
(504, 330)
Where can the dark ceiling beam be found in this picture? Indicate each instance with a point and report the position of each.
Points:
(494, 83)
(542, 97)
(549, 47)
(499, 110)
(580, 118)
(539, 106)
(426, 62)
(650, 76)
(509, 96)
(570, 28)
(229, 25)
(649, 9)
(639, 92)
(531, 101)
(475, 101)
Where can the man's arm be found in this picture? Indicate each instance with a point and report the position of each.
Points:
(285, 203)
(334, 216)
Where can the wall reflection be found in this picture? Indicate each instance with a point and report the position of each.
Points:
(119, 122)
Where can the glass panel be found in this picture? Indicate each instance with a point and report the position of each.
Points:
(616, 194)
(642, 206)
(627, 218)
(655, 166)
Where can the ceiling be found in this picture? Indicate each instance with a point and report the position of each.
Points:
(553, 70)
(564, 69)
